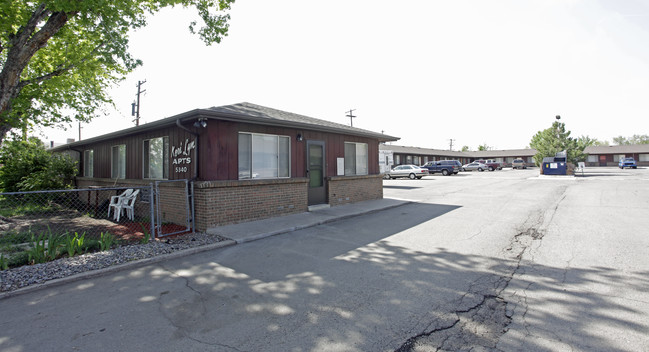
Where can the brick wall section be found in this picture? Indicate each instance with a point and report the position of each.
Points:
(225, 202)
(352, 189)
(175, 206)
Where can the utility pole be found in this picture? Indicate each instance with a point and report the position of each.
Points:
(135, 107)
(451, 145)
(351, 121)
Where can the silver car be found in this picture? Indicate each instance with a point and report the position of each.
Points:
(474, 166)
(410, 171)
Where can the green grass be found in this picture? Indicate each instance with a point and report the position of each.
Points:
(17, 206)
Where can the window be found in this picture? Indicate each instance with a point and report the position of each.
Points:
(617, 157)
(397, 159)
(356, 159)
(88, 163)
(156, 158)
(263, 156)
(592, 158)
(118, 161)
(643, 157)
(416, 160)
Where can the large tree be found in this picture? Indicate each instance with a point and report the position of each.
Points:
(556, 139)
(60, 56)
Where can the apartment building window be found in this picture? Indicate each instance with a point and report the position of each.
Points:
(263, 156)
(356, 159)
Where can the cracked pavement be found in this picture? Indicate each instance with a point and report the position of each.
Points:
(499, 261)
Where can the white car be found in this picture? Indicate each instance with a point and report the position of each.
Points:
(475, 166)
(410, 171)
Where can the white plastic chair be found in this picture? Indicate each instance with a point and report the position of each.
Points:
(116, 202)
(129, 203)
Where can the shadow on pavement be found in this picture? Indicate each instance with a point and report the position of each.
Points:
(349, 285)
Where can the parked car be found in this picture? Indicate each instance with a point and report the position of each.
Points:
(410, 171)
(519, 164)
(446, 167)
(627, 162)
(474, 166)
(491, 164)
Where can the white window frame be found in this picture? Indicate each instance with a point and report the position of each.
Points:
(359, 160)
(255, 165)
(88, 163)
(146, 155)
(118, 167)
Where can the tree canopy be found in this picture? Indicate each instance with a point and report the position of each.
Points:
(58, 56)
(556, 139)
(635, 139)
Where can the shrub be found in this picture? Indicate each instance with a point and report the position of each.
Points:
(28, 166)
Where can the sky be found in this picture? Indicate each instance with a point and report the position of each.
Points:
(466, 72)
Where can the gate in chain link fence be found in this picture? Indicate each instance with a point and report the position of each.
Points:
(174, 213)
(126, 213)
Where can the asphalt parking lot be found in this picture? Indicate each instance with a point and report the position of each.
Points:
(580, 247)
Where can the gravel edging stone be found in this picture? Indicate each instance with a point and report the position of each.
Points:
(31, 277)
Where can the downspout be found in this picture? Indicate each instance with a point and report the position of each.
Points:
(195, 134)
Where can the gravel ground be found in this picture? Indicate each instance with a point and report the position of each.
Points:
(23, 276)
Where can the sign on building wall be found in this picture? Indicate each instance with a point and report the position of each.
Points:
(181, 158)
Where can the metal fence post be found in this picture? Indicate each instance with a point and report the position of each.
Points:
(193, 210)
(152, 202)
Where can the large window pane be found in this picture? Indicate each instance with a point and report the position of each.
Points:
(350, 159)
(361, 159)
(245, 156)
(88, 163)
(118, 165)
(264, 156)
(283, 151)
(156, 158)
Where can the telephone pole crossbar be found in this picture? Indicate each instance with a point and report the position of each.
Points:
(351, 117)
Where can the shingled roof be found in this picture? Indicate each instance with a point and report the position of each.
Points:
(617, 149)
(265, 115)
(242, 112)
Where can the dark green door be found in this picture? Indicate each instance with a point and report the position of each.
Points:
(315, 154)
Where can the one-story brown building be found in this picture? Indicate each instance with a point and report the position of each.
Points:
(246, 161)
(419, 156)
(610, 155)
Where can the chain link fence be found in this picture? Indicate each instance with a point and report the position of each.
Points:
(29, 219)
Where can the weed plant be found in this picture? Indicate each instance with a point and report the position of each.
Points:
(106, 241)
(146, 237)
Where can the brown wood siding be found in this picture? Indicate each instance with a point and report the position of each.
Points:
(217, 152)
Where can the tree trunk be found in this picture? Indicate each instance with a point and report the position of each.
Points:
(22, 47)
